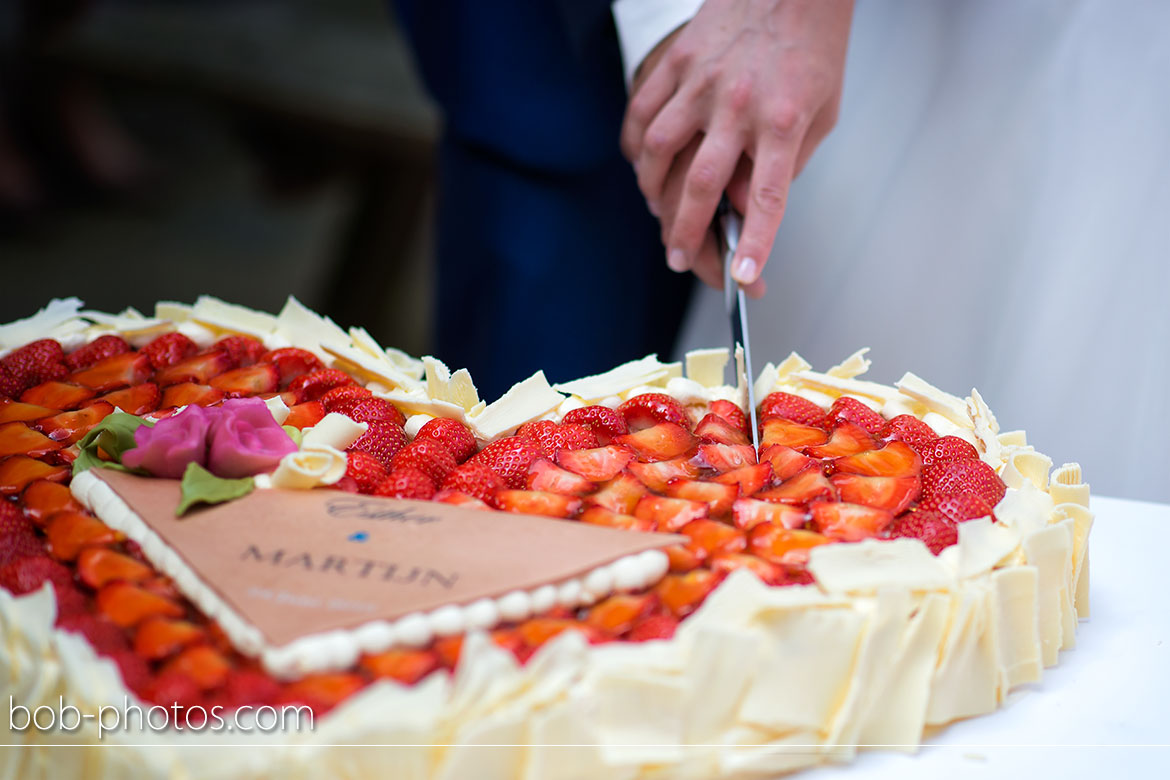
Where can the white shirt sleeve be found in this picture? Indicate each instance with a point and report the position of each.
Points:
(642, 24)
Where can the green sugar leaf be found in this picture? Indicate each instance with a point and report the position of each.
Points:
(114, 435)
(294, 433)
(200, 486)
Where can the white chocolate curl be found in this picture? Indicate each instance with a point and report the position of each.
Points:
(335, 431)
(278, 408)
(307, 469)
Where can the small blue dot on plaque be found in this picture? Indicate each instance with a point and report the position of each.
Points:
(358, 536)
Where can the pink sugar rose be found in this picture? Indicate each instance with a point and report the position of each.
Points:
(173, 442)
(245, 439)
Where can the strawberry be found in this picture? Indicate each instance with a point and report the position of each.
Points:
(785, 546)
(620, 494)
(34, 363)
(9, 386)
(189, 393)
(807, 485)
(670, 514)
(656, 475)
(891, 493)
(365, 469)
(17, 438)
(845, 439)
(241, 350)
(249, 687)
(778, 430)
(597, 464)
(250, 380)
(551, 438)
(725, 457)
(747, 513)
(129, 368)
(168, 349)
(171, 688)
(406, 482)
(605, 423)
(848, 522)
(544, 475)
(846, 409)
(714, 537)
(429, 457)
(68, 532)
(128, 605)
(643, 411)
(456, 436)
(475, 480)
(957, 507)
(17, 471)
(341, 399)
(599, 515)
(311, 386)
(717, 497)
(510, 458)
(26, 574)
(907, 428)
(946, 448)
(19, 544)
(617, 614)
(792, 407)
(768, 572)
(134, 670)
(664, 441)
(12, 520)
(714, 429)
(98, 565)
(138, 400)
(681, 594)
(308, 414)
(537, 502)
(293, 363)
(963, 476)
(935, 530)
(749, 479)
(785, 461)
(383, 438)
(200, 369)
(653, 627)
(105, 637)
(159, 637)
(732, 414)
(57, 395)
(15, 411)
(95, 351)
(370, 409)
(402, 664)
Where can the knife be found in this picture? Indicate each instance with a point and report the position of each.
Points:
(730, 225)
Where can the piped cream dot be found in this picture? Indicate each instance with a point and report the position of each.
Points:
(515, 605)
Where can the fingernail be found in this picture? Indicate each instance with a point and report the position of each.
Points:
(653, 206)
(745, 270)
(677, 260)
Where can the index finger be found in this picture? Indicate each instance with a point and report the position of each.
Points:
(772, 172)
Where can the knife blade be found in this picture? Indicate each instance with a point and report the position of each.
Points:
(730, 225)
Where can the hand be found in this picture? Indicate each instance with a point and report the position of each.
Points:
(735, 101)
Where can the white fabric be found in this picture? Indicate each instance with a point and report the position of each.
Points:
(641, 24)
(993, 211)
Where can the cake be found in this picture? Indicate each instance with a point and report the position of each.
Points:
(888, 561)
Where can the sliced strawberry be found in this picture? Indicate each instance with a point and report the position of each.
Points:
(241, 350)
(749, 479)
(128, 605)
(963, 476)
(846, 409)
(896, 459)
(405, 665)
(459, 498)
(168, 349)
(537, 631)
(893, 494)
(138, 400)
(617, 614)
(620, 494)
(713, 429)
(205, 665)
(323, 691)
(778, 430)
(99, 565)
(599, 515)
(17, 438)
(946, 448)
(15, 411)
(199, 369)
(68, 427)
(291, 363)
(476, 480)
(130, 368)
(651, 409)
(907, 428)
(714, 537)
(189, 394)
(718, 497)
(250, 380)
(309, 413)
(792, 407)
(663, 441)
(99, 349)
(456, 436)
(57, 395)
(159, 637)
(785, 461)
(656, 475)
(406, 482)
(747, 513)
(69, 532)
(510, 458)
(544, 475)
(733, 415)
(17, 471)
(768, 572)
(682, 594)
(933, 529)
(725, 457)
(370, 409)
(653, 627)
(597, 464)
(684, 557)
(808, 485)
(670, 514)
(605, 423)
(957, 507)
(537, 502)
(849, 522)
(845, 439)
(786, 546)
(42, 499)
(366, 470)
(311, 386)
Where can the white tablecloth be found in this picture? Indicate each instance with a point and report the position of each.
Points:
(1104, 711)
